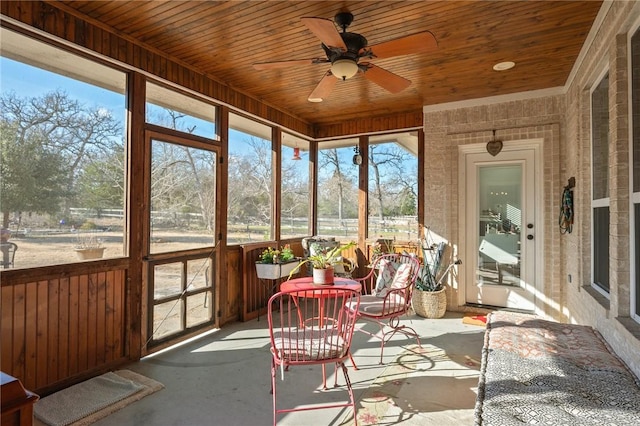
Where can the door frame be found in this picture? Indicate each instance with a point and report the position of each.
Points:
(151, 260)
(537, 145)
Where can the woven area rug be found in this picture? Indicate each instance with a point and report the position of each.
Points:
(423, 386)
(93, 399)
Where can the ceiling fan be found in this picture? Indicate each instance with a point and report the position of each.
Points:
(344, 50)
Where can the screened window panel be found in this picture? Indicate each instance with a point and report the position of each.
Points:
(63, 126)
(337, 202)
(250, 184)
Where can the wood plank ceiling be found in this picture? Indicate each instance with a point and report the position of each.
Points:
(224, 38)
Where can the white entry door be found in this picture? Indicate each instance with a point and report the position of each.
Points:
(500, 227)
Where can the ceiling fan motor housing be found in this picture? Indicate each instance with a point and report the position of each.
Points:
(344, 19)
(354, 42)
(344, 50)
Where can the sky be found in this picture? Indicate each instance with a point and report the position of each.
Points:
(28, 81)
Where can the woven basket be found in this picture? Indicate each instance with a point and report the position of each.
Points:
(429, 304)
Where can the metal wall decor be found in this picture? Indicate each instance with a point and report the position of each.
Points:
(494, 146)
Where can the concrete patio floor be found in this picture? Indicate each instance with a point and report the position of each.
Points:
(223, 378)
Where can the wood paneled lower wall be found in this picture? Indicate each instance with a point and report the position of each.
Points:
(65, 323)
(58, 329)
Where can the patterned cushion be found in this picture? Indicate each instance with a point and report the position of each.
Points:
(400, 279)
(386, 273)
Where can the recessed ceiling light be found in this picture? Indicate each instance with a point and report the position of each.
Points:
(503, 66)
(314, 99)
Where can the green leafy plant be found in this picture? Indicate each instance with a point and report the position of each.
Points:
(327, 258)
(380, 247)
(426, 280)
(272, 255)
(429, 268)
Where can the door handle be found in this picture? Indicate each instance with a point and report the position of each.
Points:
(529, 237)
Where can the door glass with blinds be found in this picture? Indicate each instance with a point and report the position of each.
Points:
(501, 232)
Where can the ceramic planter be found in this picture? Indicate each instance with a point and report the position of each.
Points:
(323, 276)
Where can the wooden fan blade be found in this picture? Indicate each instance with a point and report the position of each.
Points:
(326, 31)
(324, 88)
(286, 64)
(416, 43)
(386, 79)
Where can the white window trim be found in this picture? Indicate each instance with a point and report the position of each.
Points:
(634, 197)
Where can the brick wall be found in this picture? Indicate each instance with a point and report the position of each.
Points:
(563, 122)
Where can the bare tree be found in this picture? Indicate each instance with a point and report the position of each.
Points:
(250, 181)
(387, 164)
(60, 128)
(182, 174)
(329, 158)
(295, 191)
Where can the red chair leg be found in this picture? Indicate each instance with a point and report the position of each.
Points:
(350, 390)
(273, 388)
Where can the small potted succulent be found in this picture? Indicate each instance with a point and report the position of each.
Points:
(275, 263)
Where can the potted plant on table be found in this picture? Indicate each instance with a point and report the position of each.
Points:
(274, 263)
(323, 262)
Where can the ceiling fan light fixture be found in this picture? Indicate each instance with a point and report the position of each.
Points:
(344, 68)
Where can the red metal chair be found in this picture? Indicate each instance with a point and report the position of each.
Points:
(388, 288)
(312, 326)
